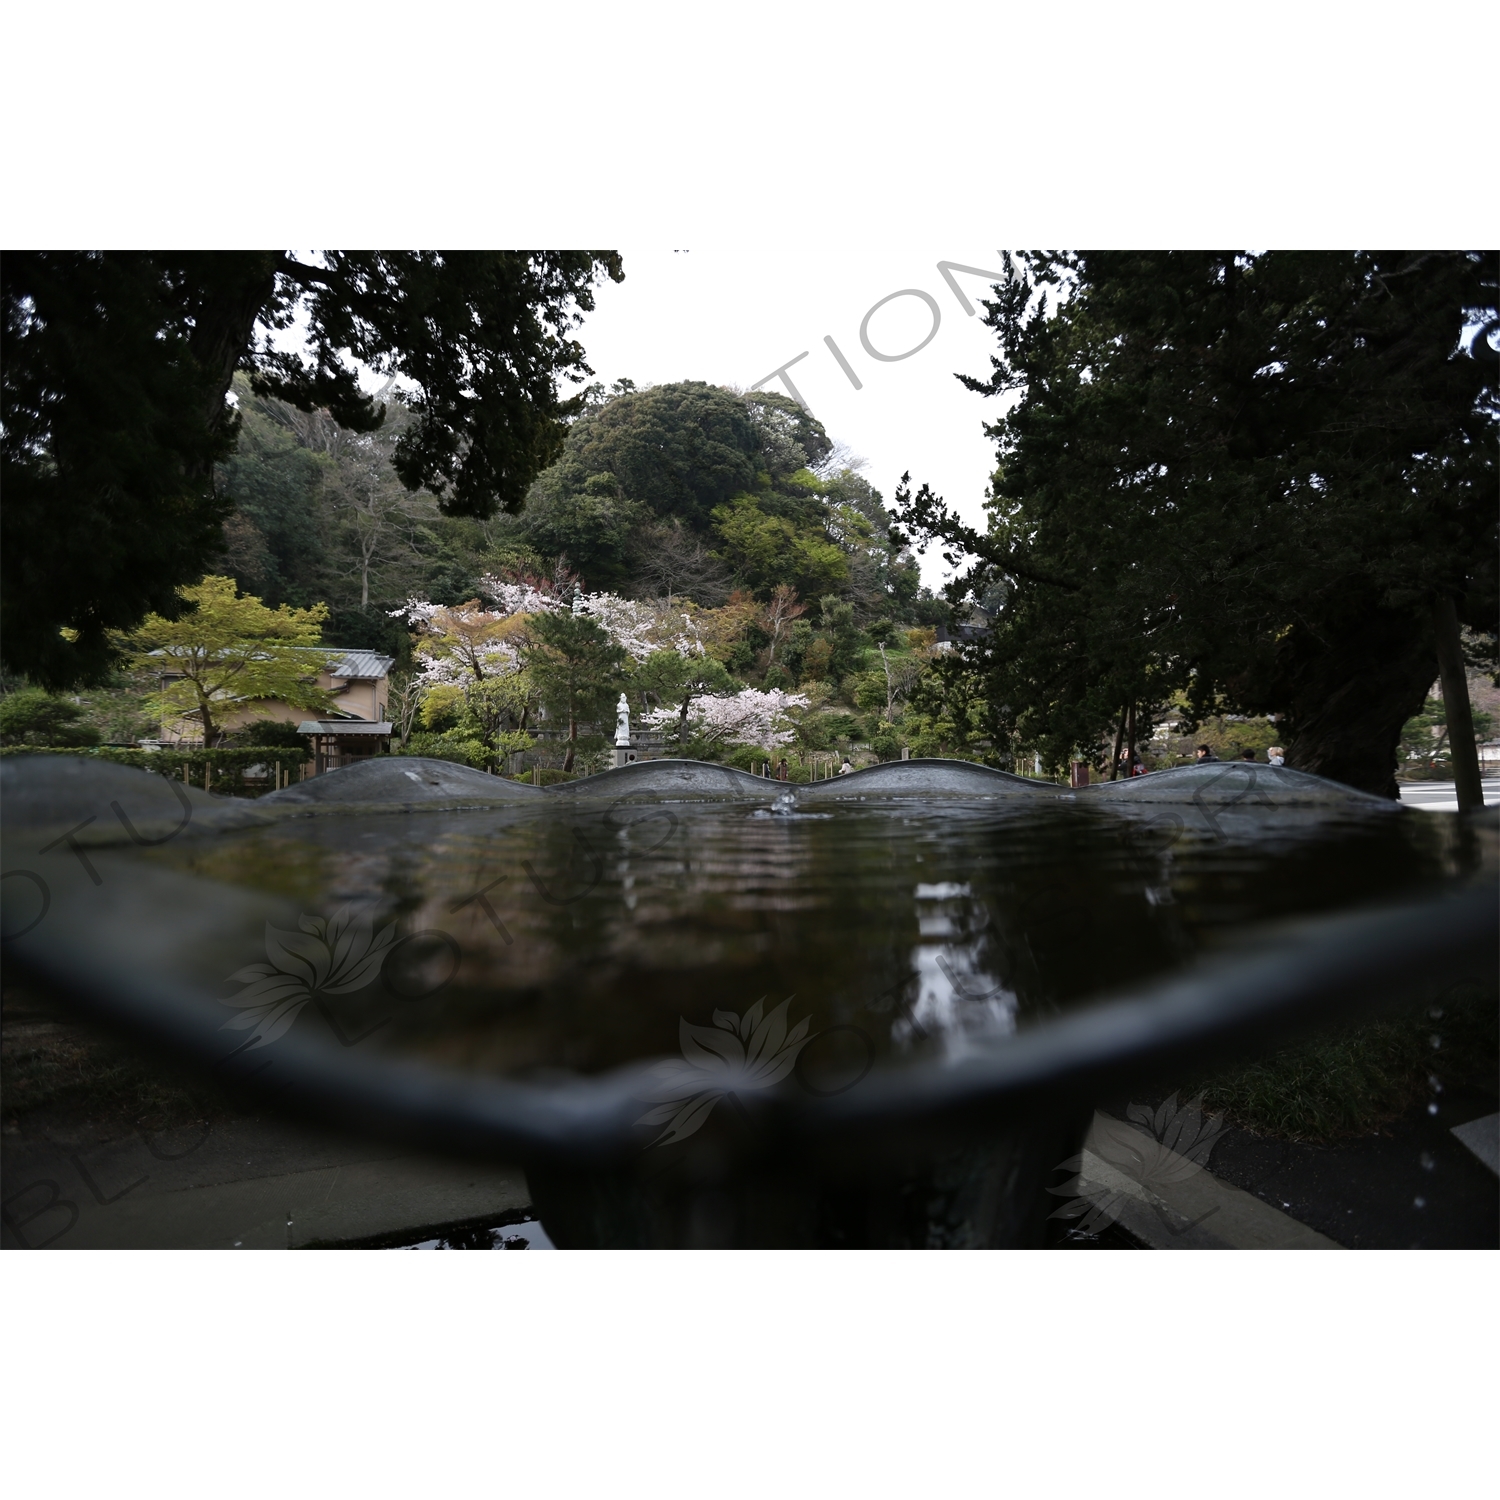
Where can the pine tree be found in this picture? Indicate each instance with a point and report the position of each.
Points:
(576, 670)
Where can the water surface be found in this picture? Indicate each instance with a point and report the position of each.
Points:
(573, 938)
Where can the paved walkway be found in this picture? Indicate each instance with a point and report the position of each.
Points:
(1442, 796)
(245, 1183)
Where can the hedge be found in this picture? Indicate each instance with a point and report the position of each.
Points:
(221, 771)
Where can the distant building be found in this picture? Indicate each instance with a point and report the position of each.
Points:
(973, 624)
(359, 681)
(959, 635)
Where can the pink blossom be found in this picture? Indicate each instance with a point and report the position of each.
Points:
(749, 717)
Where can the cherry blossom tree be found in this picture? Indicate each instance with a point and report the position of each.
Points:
(639, 626)
(749, 717)
(462, 643)
(521, 596)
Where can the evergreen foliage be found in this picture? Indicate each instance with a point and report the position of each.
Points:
(116, 366)
(1245, 478)
(577, 671)
(34, 717)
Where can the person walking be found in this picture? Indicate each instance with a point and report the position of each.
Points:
(1205, 755)
(781, 770)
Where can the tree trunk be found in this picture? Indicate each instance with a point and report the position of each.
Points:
(1114, 760)
(572, 744)
(210, 729)
(1456, 711)
(236, 289)
(1342, 705)
(1130, 743)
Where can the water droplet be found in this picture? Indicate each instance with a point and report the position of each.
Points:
(1432, 1109)
(1419, 1203)
(1435, 1083)
(1436, 1041)
(1436, 1013)
(1427, 1162)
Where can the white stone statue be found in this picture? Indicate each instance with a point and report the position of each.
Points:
(622, 721)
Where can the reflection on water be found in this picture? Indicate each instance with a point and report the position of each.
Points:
(957, 1000)
(573, 938)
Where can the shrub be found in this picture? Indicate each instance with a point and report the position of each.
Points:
(451, 745)
(248, 771)
(750, 757)
(275, 734)
(869, 690)
(816, 660)
(442, 708)
(32, 717)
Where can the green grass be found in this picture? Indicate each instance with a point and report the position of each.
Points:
(1354, 1080)
(78, 1070)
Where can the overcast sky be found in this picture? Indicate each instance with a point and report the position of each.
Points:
(731, 317)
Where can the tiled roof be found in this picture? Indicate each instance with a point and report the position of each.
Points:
(343, 726)
(367, 664)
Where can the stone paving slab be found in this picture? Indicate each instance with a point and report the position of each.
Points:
(1482, 1137)
(1171, 1203)
(244, 1184)
(1411, 1184)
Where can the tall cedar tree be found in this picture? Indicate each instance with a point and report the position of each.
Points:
(1266, 480)
(575, 668)
(116, 366)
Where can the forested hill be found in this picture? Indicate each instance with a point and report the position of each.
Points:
(685, 490)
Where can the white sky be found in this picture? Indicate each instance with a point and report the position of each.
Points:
(730, 317)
